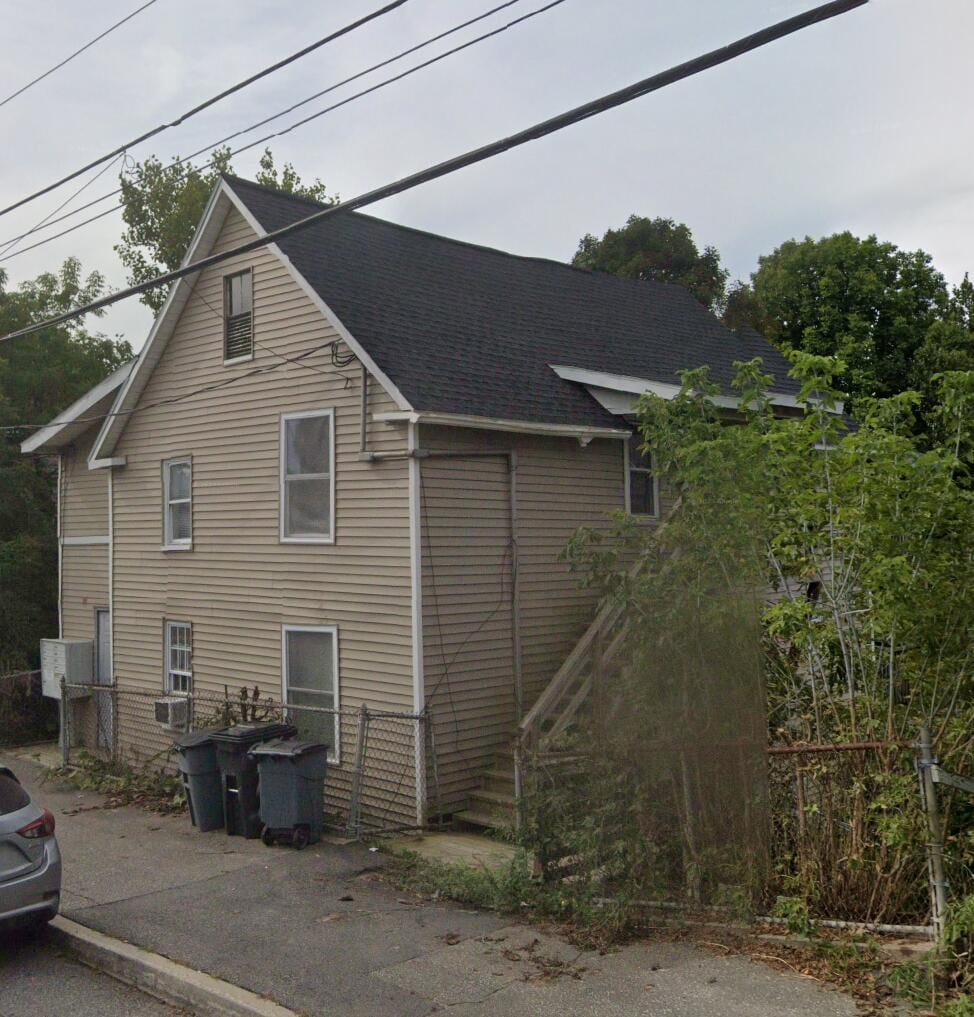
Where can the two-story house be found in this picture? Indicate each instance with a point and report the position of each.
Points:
(343, 468)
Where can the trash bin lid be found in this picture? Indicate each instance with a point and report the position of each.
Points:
(290, 748)
(194, 739)
(246, 733)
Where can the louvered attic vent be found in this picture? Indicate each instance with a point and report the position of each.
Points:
(238, 316)
(240, 336)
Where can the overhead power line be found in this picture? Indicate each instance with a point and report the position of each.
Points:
(540, 130)
(49, 221)
(209, 102)
(77, 52)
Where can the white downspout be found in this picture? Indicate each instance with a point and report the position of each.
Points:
(60, 567)
(416, 591)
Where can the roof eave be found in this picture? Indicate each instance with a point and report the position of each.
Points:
(67, 425)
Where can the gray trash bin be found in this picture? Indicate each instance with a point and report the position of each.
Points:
(292, 790)
(201, 779)
(238, 770)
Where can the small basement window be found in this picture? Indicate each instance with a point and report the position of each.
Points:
(643, 488)
(238, 316)
(177, 484)
(179, 658)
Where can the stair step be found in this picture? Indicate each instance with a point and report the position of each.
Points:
(482, 820)
(496, 798)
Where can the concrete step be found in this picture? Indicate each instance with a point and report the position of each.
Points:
(471, 819)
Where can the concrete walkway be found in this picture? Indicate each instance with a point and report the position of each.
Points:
(321, 932)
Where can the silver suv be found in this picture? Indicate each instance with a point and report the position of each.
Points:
(30, 862)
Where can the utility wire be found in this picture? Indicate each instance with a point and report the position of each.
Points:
(77, 52)
(232, 380)
(299, 123)
(477, 155)
(5, 248)
(209, 102)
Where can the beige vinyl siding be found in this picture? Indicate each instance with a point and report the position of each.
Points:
(84, 492)
(560, 486)
(84, 587)
(467, 601)
(239, 585)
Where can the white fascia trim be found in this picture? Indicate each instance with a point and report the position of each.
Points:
(491, 424)
(666, 390)
(104, 464)
(397, 397)
(161, 330)
(84, 541)
(77, 409)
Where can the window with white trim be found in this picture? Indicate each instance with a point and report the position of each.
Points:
(179, 657)
(238, 316)
(310, 670)
(177, 496)
(308, 477)
(643, 494)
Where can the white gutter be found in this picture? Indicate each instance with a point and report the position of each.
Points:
(606, 385)
(581, 432)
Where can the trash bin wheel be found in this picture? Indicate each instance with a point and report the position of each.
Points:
(300, 837)
(268, 837)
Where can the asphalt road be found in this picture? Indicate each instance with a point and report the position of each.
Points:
(35, 978)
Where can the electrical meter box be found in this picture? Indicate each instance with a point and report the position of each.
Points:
(71, 659)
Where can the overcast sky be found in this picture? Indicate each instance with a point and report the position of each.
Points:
(862, 123)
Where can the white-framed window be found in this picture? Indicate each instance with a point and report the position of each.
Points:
(308, 477)
(177, 503)
(238, 316)
(310, 679)
(642, 484)
(179, 657)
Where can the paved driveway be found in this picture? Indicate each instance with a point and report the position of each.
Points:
(321, 932)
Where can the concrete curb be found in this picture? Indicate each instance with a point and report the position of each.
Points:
(158, 976)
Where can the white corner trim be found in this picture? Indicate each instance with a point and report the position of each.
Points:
(85, 541)
(605, 385)
(104, 464)
(350, 341)
(495, 424)
(415, 570)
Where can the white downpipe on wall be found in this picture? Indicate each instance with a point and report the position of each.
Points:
(416, 598)
(111, 575)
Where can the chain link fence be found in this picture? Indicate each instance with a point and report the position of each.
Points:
(375, 755)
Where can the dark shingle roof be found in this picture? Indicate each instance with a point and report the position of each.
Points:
(465, 329)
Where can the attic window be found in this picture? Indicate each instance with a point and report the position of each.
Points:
(238, 316)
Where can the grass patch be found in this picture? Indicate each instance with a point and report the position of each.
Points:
(146, 786)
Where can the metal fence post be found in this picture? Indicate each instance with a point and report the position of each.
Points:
(419, 733)
(65, 728)
(354, 828)
(935, 843)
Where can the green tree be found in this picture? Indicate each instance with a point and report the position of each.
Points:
(659, 249)
(867, 537)
(864, 301)
(40, 375)
(164, 203)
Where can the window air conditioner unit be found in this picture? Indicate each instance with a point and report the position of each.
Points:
(173, 713)
(70, 659)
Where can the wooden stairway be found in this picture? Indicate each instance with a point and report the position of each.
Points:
(492, 805)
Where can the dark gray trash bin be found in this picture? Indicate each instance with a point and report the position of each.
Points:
(292, 790)
(201, 779)
(238, 771)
